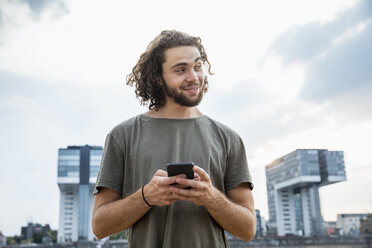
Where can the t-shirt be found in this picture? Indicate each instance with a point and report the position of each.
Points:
(135, 149)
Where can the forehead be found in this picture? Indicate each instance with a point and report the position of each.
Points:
(182, 54)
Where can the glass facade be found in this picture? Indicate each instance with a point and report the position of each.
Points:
(68, 162)
(83, 216)
(297, 202)
(95, 162)
(332, 166)
(309, 162)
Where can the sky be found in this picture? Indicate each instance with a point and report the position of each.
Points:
(287, 75)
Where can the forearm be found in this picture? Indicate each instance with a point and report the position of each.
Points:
(113, 217)
(234, 218)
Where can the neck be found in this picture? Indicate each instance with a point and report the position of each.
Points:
(175, 111)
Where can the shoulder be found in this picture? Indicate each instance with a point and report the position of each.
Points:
(223, 129)
(126, 127)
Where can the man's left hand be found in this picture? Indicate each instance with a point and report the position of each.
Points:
(202, 191)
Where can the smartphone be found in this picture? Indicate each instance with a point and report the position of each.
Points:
(174, 169)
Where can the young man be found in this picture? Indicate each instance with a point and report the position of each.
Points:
(133, 190)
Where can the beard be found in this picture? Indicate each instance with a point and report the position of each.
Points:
(182, 99)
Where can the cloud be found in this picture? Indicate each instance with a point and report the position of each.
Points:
(337, 56)
(15, 15)
(303, 43)
(345, 68)
(58, 7)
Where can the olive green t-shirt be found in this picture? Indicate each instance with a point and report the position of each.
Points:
(135, 149)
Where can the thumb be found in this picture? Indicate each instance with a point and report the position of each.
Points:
(161, 173)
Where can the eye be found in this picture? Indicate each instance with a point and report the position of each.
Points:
(180, 70)
(198, 67)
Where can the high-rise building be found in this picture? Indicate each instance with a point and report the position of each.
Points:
(78, 167)
(293, 183)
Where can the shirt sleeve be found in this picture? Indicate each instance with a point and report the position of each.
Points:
(111, 173)
(237, 170)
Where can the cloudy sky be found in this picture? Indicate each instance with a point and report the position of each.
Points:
(287, 74)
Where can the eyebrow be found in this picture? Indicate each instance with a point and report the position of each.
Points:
(184, 63)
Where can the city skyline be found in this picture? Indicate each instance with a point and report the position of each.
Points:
(287, 75)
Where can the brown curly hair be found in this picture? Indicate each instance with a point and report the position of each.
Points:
(148, 70)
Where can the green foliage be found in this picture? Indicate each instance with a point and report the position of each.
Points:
(120, 235)
(38, 237)
(13, 240)
(53, 235)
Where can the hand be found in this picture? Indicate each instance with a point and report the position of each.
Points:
(202, 191)
(196, 177)
(157, 191)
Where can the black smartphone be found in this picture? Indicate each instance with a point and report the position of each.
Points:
(174, 169)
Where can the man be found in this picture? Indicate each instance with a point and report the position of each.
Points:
(133, 190)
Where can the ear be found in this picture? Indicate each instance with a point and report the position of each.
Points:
(160, 80)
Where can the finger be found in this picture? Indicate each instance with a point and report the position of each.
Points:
(161, 173)
(196, 176)
(182, 197)
(184, 192)
(166, 180)
(202, 173)
(169, 180)
(180, 186)
(188, 182)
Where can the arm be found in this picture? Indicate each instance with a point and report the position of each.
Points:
(235, 214)
(112, 214)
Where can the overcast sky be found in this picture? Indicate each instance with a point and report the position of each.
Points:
(287, 75)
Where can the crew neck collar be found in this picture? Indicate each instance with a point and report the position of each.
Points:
(172, 119)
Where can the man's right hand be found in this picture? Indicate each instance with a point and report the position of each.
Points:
(157, 192)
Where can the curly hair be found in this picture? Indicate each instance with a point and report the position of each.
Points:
(148, 70)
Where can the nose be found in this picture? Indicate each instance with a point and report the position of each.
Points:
(192, 76)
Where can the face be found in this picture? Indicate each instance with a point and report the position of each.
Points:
(183, 76)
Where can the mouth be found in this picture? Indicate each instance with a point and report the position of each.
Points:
(194, 89)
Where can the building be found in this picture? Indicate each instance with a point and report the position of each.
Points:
(259, 230)
(366, 225)
(293, 183)
(78, 167)
(28, 232)
(331, 228)
(2, 240)
(350, 223)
